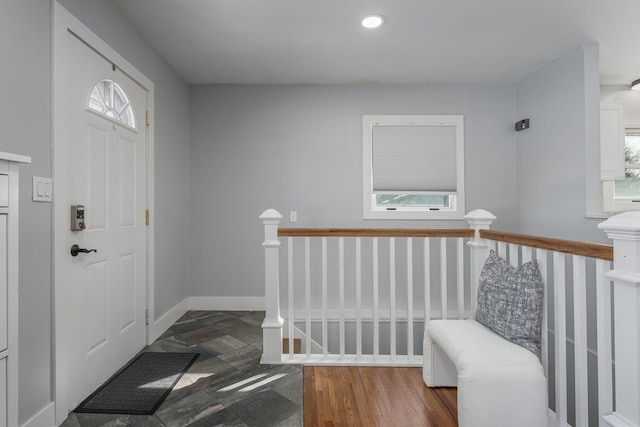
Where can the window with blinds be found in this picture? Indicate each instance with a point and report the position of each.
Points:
(413, 167)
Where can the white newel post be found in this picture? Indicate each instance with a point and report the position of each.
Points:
(478, 219)
(624, 230)
(272, 324)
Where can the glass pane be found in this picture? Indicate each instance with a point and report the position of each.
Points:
(412, 200)
(632, 146)
(630, 187)
(119, 99)
(127, 117)
(106, 92)
(95, 101)
(109, 99)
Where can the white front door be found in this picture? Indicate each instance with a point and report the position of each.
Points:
(105, 170)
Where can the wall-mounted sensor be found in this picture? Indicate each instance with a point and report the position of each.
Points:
(522, 125)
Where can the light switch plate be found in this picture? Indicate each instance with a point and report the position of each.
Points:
(42, 189)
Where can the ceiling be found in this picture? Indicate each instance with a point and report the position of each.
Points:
(434, 41)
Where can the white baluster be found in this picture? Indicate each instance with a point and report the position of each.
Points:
(341, 290)
(460, 264)
(325, 301)
(502, 250)
(624, 229)
(409, 297)
(358, 297)
(291, 311)
(479, 249)
(272, 324)
(307, 294)
(427, 281)
(514, 256)
(580, 340)
(443, 277)
(376, 314)
(392, 297)
(541, 257)
(603, 317)
(560, 332)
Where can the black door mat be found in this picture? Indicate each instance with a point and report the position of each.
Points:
(141, 386)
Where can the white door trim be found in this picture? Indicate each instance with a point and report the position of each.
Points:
(63, 22)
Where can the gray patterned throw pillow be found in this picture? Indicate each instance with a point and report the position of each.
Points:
(510, 301)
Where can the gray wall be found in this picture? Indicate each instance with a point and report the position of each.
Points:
(562, 104)
(299, 148)
(25, 43)
(25, 117)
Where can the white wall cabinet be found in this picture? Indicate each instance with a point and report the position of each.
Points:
(9, 287)
(612, 135)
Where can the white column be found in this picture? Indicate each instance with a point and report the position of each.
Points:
(478, 219)
(272, 324)
(624, 230)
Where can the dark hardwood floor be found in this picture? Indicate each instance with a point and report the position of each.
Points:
(375, 396)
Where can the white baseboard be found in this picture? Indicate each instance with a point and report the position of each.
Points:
(45, 418)
(158, 327)
(227, 303)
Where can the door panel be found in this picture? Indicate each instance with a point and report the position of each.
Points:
(128, 290)
(128, 181)
(96, 177)
(96, 307)
(106, 174)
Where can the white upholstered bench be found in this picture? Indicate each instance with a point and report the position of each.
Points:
(500, 384)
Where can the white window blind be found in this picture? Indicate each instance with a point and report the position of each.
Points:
(414, 158)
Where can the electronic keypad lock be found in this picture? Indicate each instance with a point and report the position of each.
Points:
(77, 218)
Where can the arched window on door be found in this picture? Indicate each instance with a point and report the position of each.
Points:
(107, 98)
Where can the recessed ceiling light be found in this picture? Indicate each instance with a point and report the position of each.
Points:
(372, 21)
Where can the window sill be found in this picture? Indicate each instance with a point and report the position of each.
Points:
(424, 215)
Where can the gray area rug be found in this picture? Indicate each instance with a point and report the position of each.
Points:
(141, 386)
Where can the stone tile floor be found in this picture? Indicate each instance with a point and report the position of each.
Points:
(226, 386)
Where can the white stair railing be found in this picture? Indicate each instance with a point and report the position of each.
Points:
(624, 230)
(348, 284)
(325, 302)
(272, 324)
(565, 267)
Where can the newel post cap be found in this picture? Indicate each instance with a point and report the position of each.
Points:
(480, 214)
(271, 215)
(479, 217)
(625, 226)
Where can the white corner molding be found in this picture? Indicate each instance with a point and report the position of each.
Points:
(44, 418)
(159, 327)
(17, 158)
(227, 303)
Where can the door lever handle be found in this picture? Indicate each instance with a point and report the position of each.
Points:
(75, 250)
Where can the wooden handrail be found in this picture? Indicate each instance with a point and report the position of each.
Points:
(590, 250)
(375, 232)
